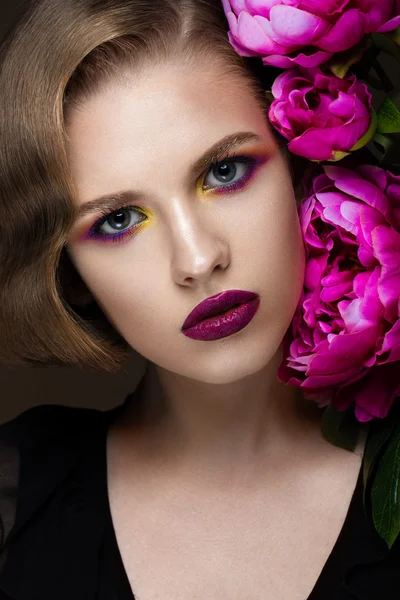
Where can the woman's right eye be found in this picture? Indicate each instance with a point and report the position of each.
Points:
(224, 176)
(115, 225)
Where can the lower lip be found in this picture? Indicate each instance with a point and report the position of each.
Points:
(225, 324)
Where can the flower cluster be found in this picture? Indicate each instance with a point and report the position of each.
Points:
(311, 105)
(344, 343)
(324, 117)
(286, 33)
(343, 346)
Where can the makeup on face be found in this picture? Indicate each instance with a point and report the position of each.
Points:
(193, 171)
(230, 174)
(221, 315)
(225, 313)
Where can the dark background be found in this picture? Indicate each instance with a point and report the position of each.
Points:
(9, 13)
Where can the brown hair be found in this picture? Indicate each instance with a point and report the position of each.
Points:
(61, 51)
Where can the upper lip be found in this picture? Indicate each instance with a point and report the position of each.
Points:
(217, 304)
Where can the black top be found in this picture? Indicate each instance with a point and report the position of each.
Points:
(58, 539)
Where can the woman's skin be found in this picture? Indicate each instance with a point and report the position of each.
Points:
(217, 423)
(142, 135)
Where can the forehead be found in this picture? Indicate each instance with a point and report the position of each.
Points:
(164, 112)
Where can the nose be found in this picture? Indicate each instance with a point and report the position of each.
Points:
(197, 250)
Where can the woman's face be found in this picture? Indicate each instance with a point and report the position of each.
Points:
(190, 230)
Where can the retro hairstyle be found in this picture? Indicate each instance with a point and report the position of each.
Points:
(61, 51)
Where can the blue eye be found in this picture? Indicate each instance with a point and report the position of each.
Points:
(229, 174)
(115, 225)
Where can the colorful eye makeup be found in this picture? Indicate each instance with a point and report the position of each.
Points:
(230, 175)
(225, 176)
(124, 214)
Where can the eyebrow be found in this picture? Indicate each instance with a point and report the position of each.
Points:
(212, 155)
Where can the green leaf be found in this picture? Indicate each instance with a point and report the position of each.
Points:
(395, 98)
(363, 141)
(383, 42)
(395, 36)
(342, 61)
(385, 494)
(340, 428)
(337, 155)
(389, 116)
(367, 137)
(387, 151)
(383, 141)
(380, 432)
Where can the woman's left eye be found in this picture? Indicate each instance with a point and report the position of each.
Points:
(229, 173)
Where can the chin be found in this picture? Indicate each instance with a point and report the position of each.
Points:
(232, 367)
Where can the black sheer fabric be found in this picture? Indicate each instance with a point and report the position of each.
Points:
(58, 540)
(9, 472)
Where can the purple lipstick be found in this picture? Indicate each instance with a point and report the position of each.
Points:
(221, 315)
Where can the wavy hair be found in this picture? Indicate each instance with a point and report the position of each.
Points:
(60, 52)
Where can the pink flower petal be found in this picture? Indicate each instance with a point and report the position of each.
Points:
(280, 82)
(260, 7)
(333, 215)
(346, 327)
(281, 47)
(239, 49)
(391, 343)
(353, 184)
(366, 257)
(390, 25)
(313, 144)
(346, 352)
(343, 106)
(370, 218)
(238, 6)
(334, 293)
(329, 381)
(386, 243)
(251, 36)
(378, 391)
(314, 59)
(296, 27)
(347, 32)
(379, 13)
(360, 283)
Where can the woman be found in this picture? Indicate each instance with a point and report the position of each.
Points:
(137, 123)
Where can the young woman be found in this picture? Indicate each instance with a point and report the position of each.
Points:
(146, 204)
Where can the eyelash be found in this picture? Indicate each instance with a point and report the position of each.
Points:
(94, 232)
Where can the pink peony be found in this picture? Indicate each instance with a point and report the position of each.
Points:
(305, 32)
(322, 115)
(394, 22)
(343, 346)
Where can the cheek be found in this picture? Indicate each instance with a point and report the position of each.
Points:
(130, 298)
(136, 295)
(271, 235)
(278, 262)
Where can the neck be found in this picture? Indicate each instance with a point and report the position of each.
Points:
(225, 425)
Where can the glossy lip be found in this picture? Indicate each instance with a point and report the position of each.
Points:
(216, 305)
